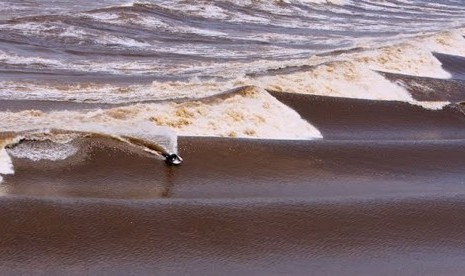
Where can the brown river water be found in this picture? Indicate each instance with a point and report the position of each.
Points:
(318, 137)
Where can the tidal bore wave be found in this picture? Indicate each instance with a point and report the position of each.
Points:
(356, 110)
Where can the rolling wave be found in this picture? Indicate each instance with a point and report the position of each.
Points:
(204, 68)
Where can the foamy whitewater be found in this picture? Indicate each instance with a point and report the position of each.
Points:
(205, 68)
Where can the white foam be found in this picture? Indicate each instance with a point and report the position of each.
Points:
(198, 8)
(112, 94)
(404, 59)
(258, 115)
(333, 2)
(6, 164)
(129, 4)
(253, 113)
(413, 56)
(340, 79)
(11, 58)
(430, 105)
(103, 16)
(451, 42)
(81, 34)
(46, 150)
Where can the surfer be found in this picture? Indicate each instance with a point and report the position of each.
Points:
(172, 159)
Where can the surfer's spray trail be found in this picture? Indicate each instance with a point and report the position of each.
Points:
(60, 142)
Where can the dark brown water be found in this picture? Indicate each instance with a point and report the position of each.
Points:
(412, 236)
(453, 64)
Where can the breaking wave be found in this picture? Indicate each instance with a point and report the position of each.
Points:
(206, 68)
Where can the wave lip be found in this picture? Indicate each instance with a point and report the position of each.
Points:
(430, 89)
(358, 119)
(453, 64)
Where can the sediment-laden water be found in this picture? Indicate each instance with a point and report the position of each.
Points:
(356, 109)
